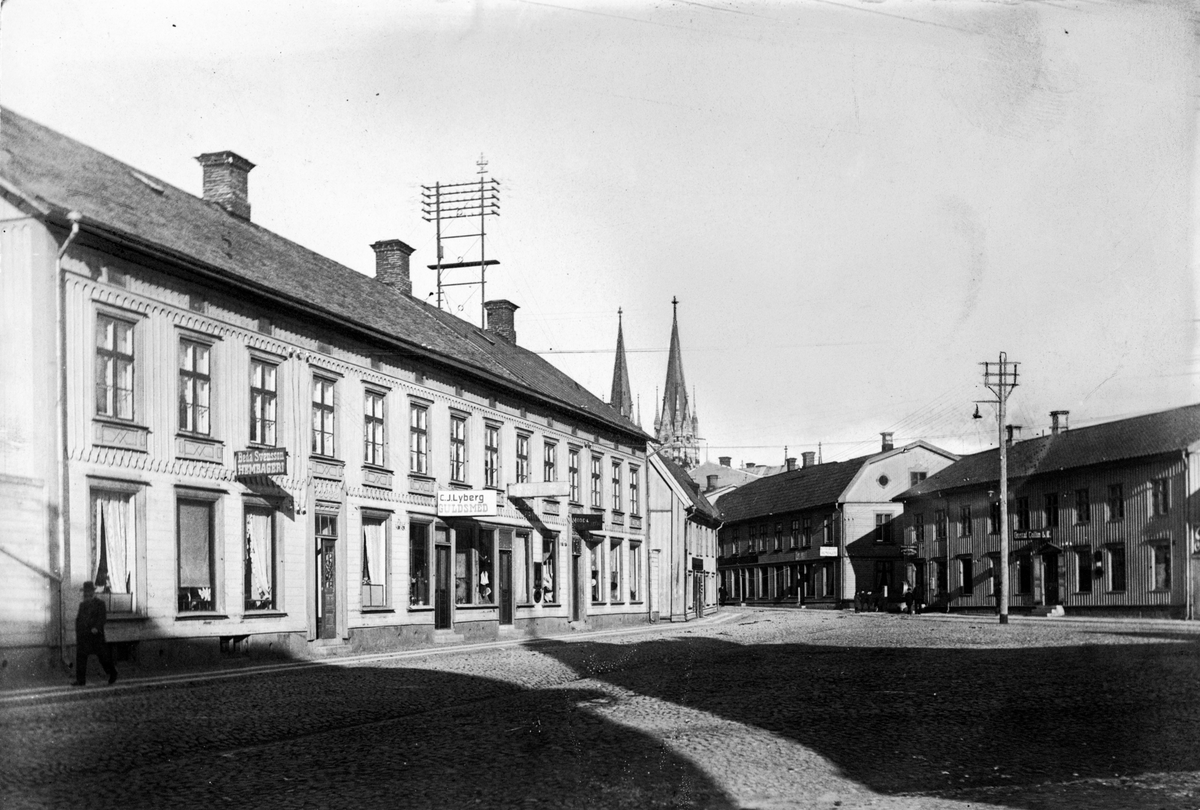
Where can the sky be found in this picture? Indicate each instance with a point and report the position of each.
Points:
(855, 203)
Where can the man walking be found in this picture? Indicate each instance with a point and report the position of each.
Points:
(89, 636)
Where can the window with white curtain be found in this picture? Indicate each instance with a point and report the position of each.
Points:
(114, 550)
(374, 562)
(259, 570)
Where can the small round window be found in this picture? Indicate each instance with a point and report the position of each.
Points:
(883, 480)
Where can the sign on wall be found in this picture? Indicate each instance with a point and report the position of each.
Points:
(261, 461)
(466, 502)
(828, 551)
(584, 522)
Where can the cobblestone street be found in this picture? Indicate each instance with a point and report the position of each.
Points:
(754, 709)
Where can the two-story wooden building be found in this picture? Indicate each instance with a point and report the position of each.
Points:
(684, 525)
(822, 532)
(1102, 520)
(250, 448)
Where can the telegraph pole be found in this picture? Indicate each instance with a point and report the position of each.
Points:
(1001, 378)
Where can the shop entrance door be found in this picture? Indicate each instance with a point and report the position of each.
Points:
(326, 588)
(1050, 578)
(441, 592)
(505, 587)
(573, 590)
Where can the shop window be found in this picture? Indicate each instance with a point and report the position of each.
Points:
(263, 402)
(524, 588)
(966, 576)
(114, 549)
(1116, 568)
(635, 572)
(375, 557)
(418, 565)
(196, 555)
(615, 594)
(114, 367)
(1083, 569)
(545, 573)
(259, 559)
(1161, 558)
(596, 553)
(884, 573)
(941, 577)
(473, 575)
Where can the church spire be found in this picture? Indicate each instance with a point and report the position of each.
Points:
(622, 393)
(676, 427)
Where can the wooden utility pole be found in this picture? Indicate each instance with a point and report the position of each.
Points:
(1001, 378)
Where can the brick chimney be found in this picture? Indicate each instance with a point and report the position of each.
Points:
(225, 181)
(1058, 422)
(1013, 431)
(887, 441)
(500, 319)
(712, 483)
(391, 264)
(791, 463)
(725, 460)
(809, 458)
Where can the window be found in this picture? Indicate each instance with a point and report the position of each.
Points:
(374, 432)
(549, 461)
(458, 449)
(544, 571)
(941, 576)
(524, 589)
(1083, 509)
(473, 566)
(763, 537)
(1160, 497)
(994, 517)
(915, 478)
(1021, 514)
(597, 500)
(1083, 569)
(940, 525)
(1116, 568)
(491, 455)
(964, 521)
(263, 388)
(1116, 502)
(806, 532)
(1162, 566)
(195, 383)
(1050, 511)
(522, 458)
(375, 556)
(322, 417)
(114, 367)
(616, 486)
(596, 554)
(258, 570)
(615, 594)
(885, 572)
(918, 523)
(1024, 574)
(418, 439)
(573, 473)
(635, 572)
(795, 536)
(196, 555)
(883, 527)
(114, 565)
(752, 535)
(966, 576)
(828, 528)
(418, 564)
(635, 491)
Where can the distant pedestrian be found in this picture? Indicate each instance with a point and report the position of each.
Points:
(919, 598)
(89, 636)
(722, 594)
(909, 598)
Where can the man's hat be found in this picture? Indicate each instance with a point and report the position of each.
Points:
(89, 587)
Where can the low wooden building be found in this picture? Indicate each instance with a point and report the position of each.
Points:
(1102, 520)
(683, 533)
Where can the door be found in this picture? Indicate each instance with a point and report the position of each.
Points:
(698, 592)
(327, 588)
(504, 587)
(441, 592)
(1050, 578)
(576, 583)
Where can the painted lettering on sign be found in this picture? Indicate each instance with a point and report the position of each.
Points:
(466, 502)
(261, 461)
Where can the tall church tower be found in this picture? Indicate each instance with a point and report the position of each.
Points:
(676, 426)
(622, 394)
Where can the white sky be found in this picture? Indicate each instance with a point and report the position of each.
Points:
(856, 203)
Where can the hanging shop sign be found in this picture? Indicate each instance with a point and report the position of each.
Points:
(466, 502)
(1032, 534)
(584, 522)
(908, 551)
(261, 461)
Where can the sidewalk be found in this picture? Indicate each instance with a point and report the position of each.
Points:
(33, 689)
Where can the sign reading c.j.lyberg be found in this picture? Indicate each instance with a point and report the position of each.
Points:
(466, 502)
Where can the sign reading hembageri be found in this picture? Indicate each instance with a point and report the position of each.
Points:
(261, 461)
(584, 522)
(466, 502)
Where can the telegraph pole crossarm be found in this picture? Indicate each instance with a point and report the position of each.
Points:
(1001, 380)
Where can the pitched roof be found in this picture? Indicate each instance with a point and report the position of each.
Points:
(1138, 437)
(700, 504)
(805, 488)
(58, 174)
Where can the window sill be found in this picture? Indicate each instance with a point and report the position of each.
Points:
(200, 615)
(263, 614)
(382, 609)
(420, 608)
(465, 606)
